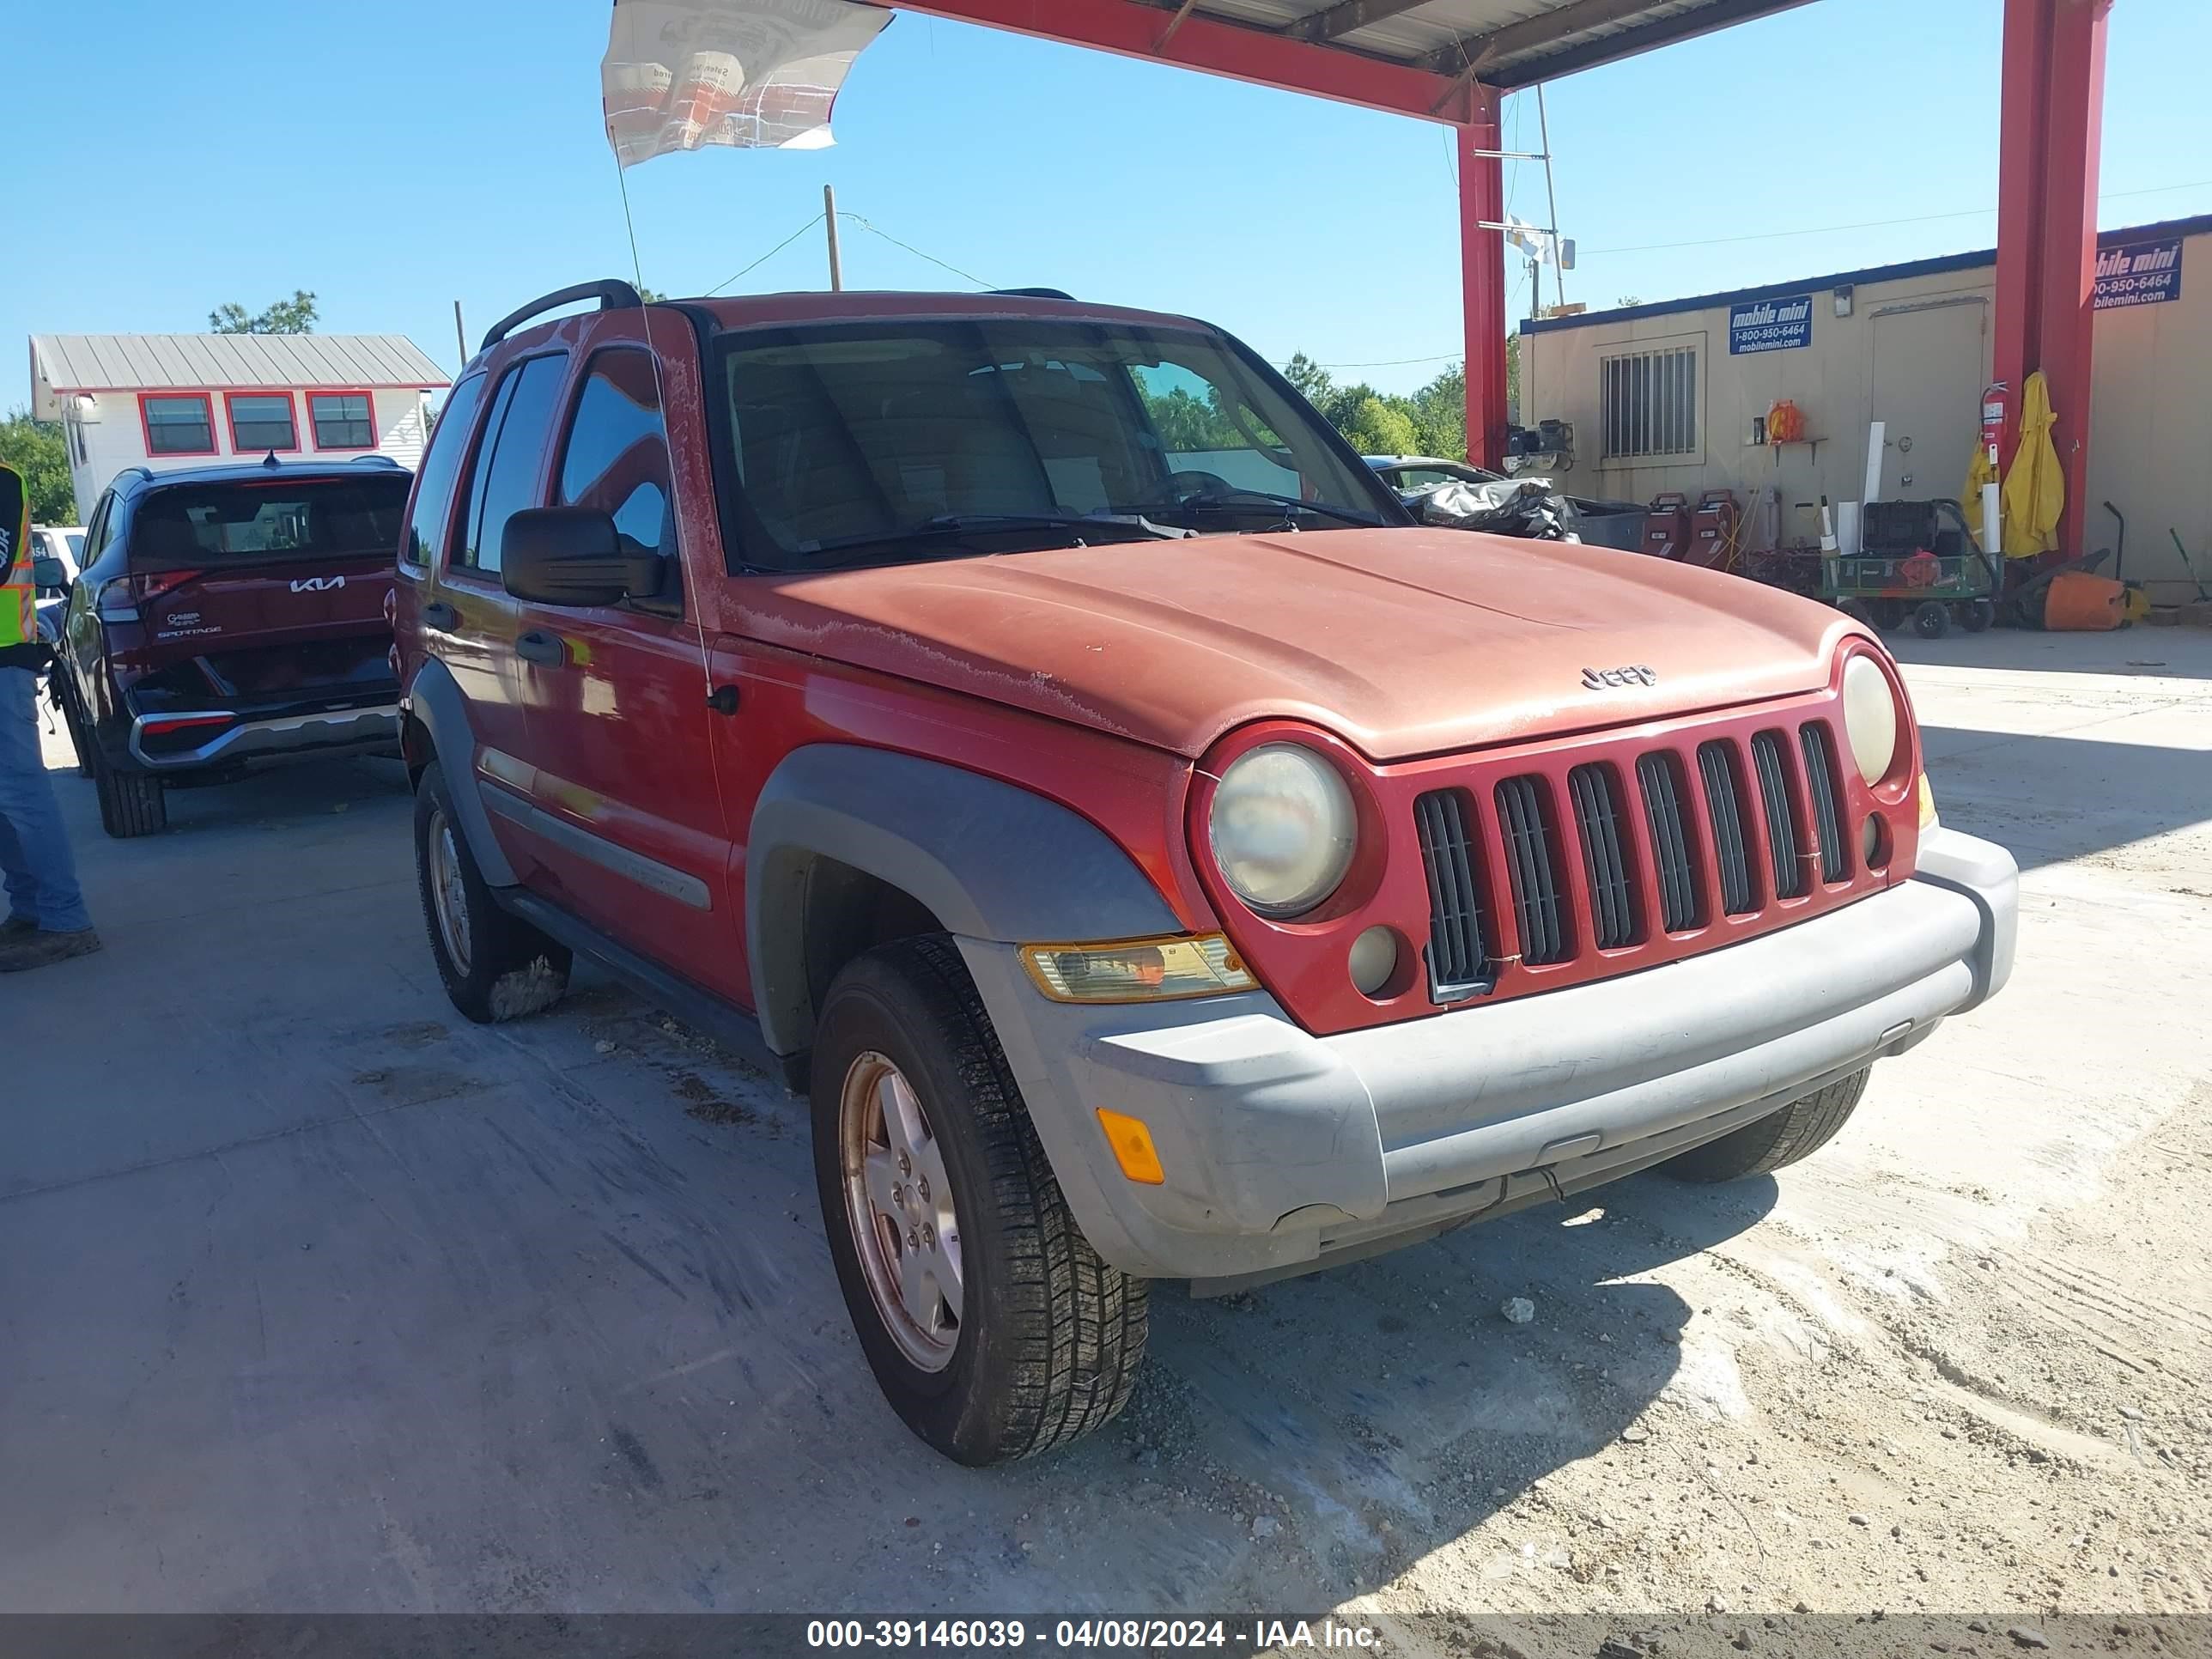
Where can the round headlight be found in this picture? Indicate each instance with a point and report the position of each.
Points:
(1870, 718)
(1282, 829)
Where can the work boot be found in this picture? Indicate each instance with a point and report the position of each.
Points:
(37, 949)
(16, 927)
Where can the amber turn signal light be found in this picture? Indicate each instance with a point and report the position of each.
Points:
(1133, 1147)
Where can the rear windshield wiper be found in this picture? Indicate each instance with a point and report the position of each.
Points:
(1234, 501)
(960, 529)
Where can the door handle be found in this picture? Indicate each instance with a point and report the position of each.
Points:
(547, 650)
(440, 614)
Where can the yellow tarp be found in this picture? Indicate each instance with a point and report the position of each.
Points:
(2035, 489)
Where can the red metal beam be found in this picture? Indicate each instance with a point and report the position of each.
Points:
(1482, 273)
(2051, 126)
(1260, 56)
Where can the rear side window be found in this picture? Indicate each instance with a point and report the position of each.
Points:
(615, 459)
(506, 460)
(194, 525)
(441, 469)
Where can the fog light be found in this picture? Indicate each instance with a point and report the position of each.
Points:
(1133, 1147)
(1874, 842)
(1373, 959)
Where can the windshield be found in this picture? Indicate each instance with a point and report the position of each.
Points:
(879, 442)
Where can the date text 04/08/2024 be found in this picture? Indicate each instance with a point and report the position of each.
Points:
(980, 1634)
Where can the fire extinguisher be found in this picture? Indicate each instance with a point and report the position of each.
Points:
(1997, 406)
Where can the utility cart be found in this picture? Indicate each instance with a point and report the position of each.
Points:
(1919, 561)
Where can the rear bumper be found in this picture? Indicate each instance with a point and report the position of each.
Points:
(245, 742)
(1285, 1150)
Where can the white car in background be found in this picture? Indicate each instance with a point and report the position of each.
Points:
(63, 542)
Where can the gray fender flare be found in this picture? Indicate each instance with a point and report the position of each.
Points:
(436, 701)
(991, 861)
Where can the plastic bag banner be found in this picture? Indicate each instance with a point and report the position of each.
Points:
(2140, 274)
(750, 73)
(1770, 325)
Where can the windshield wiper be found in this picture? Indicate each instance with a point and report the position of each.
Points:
(1234, 501)
(959, 530)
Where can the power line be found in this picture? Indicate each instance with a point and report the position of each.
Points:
(768, 256)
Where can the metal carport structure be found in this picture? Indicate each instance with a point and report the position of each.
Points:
(1448, 60)
(1452, 61)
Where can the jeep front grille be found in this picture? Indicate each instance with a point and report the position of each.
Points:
(1459, 956)
(1660, 773)
(1605, 859)
(1766, 756)
(1765, 813)
(1532, 871)
(1821, 784)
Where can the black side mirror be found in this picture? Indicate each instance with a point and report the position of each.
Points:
(49, 573)
(573, 556)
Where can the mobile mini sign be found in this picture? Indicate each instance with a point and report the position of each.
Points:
(2140, 274)
(1770, 325)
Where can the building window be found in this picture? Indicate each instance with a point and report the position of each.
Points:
(179, 423)
(261, 421)
(1649, 401)
(342, 419)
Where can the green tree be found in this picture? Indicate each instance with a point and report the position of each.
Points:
(1439, 412)
(294, 316)
(38, 451)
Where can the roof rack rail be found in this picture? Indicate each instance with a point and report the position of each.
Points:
(145, 472)
(613, 293)
(372, 460)
(1034, 293)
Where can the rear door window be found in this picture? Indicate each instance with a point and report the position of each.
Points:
(442, 471)
(190, 526)
(507, 460)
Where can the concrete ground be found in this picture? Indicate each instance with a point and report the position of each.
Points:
(315, 1297)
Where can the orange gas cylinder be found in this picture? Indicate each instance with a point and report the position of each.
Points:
(2081, 602)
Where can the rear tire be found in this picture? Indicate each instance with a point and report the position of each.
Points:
(1980, 613)
(1045, 1341)
(131, 804)
(1797, 1130)
(494, 966)
(1931, 621)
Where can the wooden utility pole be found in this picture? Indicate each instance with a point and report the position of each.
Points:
(830, 219)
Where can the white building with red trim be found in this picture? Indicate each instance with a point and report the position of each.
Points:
(166, 400)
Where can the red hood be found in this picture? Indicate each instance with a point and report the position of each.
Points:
(1403, 641)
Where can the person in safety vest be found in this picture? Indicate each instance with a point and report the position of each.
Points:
(47, 919)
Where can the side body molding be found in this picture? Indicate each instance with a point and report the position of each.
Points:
(437, 701)
(991, 861)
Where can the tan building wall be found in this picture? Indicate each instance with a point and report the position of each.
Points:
(1914, 353)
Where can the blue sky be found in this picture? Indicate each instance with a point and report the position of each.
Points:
(393, 159)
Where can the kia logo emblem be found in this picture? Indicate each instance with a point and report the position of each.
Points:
(318, 584)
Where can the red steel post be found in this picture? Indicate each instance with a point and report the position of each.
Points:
(2051, 127)
(1482, 274)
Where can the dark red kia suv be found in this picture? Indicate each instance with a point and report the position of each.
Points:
(230, 618)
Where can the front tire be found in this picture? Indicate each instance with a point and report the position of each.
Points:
(992, 1327)
(494, 966)
(1797, 1130)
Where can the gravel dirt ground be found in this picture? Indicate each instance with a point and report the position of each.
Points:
(314, 1296)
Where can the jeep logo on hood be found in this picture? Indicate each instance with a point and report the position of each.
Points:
(1613, 679)
(318, 584)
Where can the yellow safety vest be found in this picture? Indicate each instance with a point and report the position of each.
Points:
(18, 609)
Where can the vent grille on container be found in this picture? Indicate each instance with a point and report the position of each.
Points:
(1459, 960)
(1827, 820)
(1768, 756)
(1529, 871)
(1661, 776)
(1724, 800)
(1597, 822)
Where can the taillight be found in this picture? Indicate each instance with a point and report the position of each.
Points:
(119, 599)
(151, 586)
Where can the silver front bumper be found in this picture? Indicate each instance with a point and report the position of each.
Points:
(258, 741)
(1282, 1147)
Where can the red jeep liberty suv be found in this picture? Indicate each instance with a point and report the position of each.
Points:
(1031, 726)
